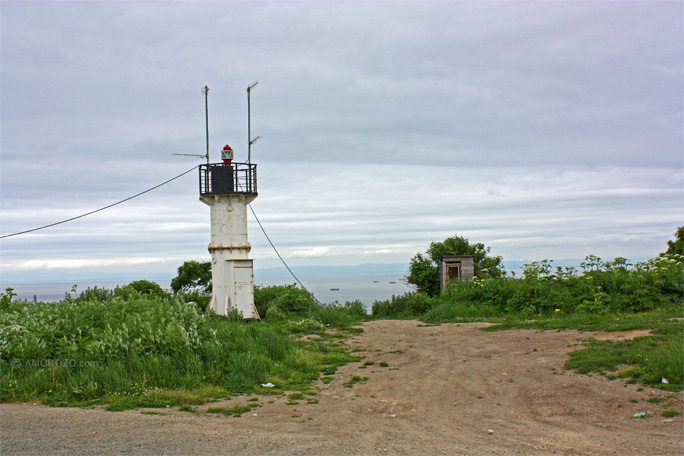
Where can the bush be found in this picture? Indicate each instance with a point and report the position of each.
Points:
(394, 307)
(287, 299)
(340, 315)
(419, 303)
(146, 287)
(138, 288)
(355, 307)
(196, 297)
(95, 294)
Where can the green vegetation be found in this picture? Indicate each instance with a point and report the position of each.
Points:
(235, 411)
(193, 276)
(137, 346)
(656, 360)
(354, 380)
(676, 246)
(193, 283)
(424, 269)
(603, 296)
(302, 312)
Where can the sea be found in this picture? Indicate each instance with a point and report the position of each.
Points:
(330, 287)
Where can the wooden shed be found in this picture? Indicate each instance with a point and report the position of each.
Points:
(455, 267)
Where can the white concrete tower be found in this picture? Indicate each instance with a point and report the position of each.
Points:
(227, 188)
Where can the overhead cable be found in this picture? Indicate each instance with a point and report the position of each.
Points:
(281, 258)
(100, 209)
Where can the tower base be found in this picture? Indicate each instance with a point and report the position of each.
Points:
(240, 296)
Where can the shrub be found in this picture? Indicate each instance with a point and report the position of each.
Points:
(196, 297)
(95, 294)
(340, 315)
(146, 287)
(419, 303)
(355, 307)
(396, 306)
(285, 298)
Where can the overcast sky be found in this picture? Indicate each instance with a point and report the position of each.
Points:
(542, 129)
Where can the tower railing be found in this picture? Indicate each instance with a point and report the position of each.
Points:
(224, 179)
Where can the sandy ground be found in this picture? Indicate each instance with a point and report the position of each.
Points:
(449, 389)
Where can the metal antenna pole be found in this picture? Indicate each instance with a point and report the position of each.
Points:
(249, 129)
(205, 91)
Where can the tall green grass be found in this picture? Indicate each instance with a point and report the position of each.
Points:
(134, 347)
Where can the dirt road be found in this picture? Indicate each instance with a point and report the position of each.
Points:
(446, 390)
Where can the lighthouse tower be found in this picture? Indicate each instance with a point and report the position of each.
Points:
(227, 188)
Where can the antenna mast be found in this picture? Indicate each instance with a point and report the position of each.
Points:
(250, 141)
(205, 91)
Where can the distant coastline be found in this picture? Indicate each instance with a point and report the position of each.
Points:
(366, 282)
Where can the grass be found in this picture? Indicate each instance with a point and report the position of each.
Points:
(354, 380)
(656, 360)
(129, 349)
(142, 351)
(654, 320)
(235, 411)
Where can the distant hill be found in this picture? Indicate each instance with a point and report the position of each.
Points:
(369, 268)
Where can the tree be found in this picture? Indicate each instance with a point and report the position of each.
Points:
(676, 246)
(193, 275)
(424, 274)
(424, 269)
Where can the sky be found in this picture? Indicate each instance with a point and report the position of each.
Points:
(545, 130)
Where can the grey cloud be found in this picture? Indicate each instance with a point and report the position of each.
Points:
(540, 127)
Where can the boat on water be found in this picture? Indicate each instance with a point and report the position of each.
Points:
(376, 281)
(393, 282)
(334, 289)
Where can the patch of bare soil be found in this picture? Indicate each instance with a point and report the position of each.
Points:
(623, 335)
(449, 389)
